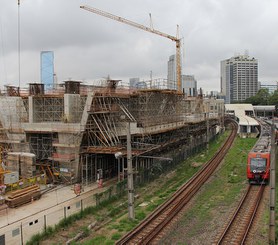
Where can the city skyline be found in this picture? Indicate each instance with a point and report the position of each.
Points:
(88, 46)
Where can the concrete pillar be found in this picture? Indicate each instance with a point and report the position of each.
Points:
(31, 109)
(71, 107)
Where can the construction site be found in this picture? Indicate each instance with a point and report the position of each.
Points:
(77, 133)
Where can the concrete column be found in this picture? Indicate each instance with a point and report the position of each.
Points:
(71, 107)
(31, 109)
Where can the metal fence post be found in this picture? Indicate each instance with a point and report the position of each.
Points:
(21, 233)
(44, 223)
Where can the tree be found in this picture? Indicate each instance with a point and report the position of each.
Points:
(261, 98)
(273, 99)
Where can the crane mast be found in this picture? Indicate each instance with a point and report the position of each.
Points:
(145, 28)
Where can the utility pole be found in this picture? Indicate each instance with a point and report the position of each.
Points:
(130, 187)
(272, 186)
(207, 124)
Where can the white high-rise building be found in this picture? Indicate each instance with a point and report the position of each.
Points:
(189, 83)
(172, 76)
(239, 78)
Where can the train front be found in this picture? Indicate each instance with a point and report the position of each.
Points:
(258, 167)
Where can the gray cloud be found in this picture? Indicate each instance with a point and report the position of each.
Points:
(88, 46)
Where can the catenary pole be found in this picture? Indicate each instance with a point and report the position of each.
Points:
(272, 187)
(130, 187)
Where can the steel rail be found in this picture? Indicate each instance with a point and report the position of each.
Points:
(242, 220)
(150, 227)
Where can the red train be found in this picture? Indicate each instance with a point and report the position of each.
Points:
(258, 165)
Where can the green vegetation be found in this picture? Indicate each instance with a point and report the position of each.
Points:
(223, 189)
(166, 188)
(276, 205)
(67, 222)
(263, 98)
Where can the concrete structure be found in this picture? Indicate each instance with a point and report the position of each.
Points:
(239, 78)
(244, 114)
(266, 111)
(78, 129)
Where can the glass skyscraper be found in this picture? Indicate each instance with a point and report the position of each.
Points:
(47, 69)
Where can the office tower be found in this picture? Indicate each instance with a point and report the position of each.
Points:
(189, 85)
(133, 82)
(47, 69)
(239, 78)
(172, 76)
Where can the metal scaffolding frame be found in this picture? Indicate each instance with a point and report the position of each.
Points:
(103, 120)
(48, 109)
(153, 107)
(87, 130)
(41, 145)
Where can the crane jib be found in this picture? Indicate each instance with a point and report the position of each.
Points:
(145, 28)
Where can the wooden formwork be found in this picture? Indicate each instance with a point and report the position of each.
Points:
(23, 196)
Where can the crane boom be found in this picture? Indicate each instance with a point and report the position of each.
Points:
(145, 28)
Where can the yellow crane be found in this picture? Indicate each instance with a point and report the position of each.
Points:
(145, 28)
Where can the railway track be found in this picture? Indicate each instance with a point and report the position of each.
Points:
(152, 226)
(237, 230)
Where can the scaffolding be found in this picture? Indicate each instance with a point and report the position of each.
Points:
(74, 134)
(48, 109)
(156, 107)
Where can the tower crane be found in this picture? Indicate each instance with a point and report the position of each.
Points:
(145, 28)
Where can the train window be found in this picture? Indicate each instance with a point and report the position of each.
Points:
(257, 164)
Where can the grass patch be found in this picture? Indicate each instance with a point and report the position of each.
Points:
(116, 236)
(70, 220)
(96, 241)
(276, 206)
(224, 188)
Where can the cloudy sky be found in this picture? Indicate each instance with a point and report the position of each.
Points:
(89, 47)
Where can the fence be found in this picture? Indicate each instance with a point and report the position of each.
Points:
(21, 232)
